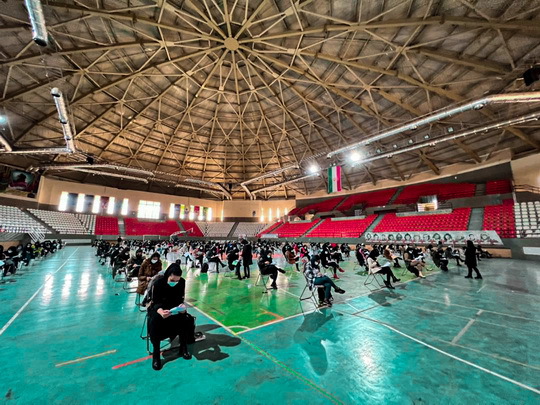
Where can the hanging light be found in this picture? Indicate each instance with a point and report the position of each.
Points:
(37, 20)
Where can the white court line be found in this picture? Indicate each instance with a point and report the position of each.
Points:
(481, 288)
(469, 363)
(212, 319)
(21, 309)
(469, 307)
(465, 328)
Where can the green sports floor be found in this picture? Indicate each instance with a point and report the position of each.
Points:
(71, 335)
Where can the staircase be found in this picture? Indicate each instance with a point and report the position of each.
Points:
(476, 221)
(374, 224)
(396, 194)
(336, 208)
(312, 228)
(121, 227)
(480, 190)
(231, 233)
(37, 219)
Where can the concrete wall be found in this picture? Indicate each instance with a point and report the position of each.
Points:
(527, 170)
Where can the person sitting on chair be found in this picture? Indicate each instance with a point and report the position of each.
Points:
(134, 264)
(167, 316)
(213, 257)
(233, 260)
(314, 277)
(292, 258)
(267, 268)
(328, 261)
(374, 268)
(148, 269)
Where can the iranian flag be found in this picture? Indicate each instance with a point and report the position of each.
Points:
(334, 179)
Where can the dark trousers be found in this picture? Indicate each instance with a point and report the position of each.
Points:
(333, 265)
(181, 325)
(216, 260)
(471, 268)
(270, 270)
(247, 273)
(389, 274)
(328, 285)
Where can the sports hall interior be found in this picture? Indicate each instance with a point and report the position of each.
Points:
(186, 127)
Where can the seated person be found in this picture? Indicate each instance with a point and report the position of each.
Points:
(167, 317)
(267, 268)
(292, 258)
(234, 261)
(213, 257)
(374, 268)
(328, 261)
(148, 269)
(453, 254)
(314, 277)
(120, 261)
(439, 259)
(134, 263)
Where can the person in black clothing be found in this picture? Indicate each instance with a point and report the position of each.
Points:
(168, 293)
(134, 264)
(120, 261)
(213, 257)
(267, 268)
(247, 258)
(233, 260)
(328, 260)
(470, 260)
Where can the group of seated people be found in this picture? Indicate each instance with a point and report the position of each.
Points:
(164, 290)
(12, 258)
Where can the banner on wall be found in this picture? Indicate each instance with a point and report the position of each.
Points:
(104, 204)
(18, 182)
(448, 238)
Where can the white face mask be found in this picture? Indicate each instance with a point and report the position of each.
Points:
(154, 261)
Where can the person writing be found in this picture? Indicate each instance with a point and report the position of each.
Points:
(167, 314)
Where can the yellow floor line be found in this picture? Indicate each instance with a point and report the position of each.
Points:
(81, 359)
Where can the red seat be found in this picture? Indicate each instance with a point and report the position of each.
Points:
(350, 228)
(500, 218)
(135, 227)
(458, 220)
(107, 226)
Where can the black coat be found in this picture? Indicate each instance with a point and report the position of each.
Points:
(166, 297)
(470, 256)
(247, 254)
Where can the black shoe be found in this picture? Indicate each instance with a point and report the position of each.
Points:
(274, 286)
(389, 286)
(281, 270)
(468, 276)
(328, 303)
(184, 352)
(340, 291)
(156, 364)
(397, 280)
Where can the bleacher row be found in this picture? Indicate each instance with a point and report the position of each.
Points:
(409, 195)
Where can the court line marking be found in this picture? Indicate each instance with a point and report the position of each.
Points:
(81, 359)
(469, 307)
(462, 331)
(494, 355)
(273, 360)
(129, 363)
(346, 301)
(481, 288)
(21, 309)
(469, 363)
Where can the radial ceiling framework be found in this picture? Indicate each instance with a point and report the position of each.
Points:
(224, 91)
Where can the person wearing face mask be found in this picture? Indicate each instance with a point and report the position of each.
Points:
(134, 263)
(167, 314)
(148, 269)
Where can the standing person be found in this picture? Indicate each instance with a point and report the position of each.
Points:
(247, 258)
(470, 260)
